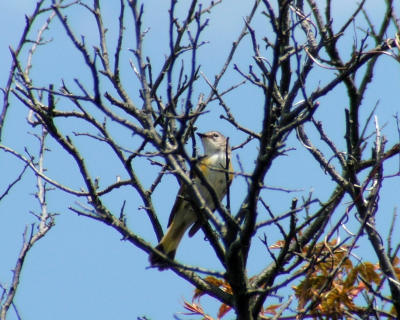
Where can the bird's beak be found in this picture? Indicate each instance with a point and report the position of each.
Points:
(201, 135)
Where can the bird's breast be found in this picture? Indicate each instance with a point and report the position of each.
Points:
(214, 168)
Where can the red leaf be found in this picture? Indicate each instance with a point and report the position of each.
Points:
(223, 310)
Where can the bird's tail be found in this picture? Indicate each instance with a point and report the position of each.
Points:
(169, 243)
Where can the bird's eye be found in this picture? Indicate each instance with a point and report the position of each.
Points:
(215, 135)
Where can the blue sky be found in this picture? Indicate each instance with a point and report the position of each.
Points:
(82, 269)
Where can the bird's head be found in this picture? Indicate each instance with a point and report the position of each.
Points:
(213, 142)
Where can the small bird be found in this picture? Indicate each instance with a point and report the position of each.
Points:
(214, 167)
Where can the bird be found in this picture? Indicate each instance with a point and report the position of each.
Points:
(216, 166)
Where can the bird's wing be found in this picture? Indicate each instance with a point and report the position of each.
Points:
(179, 203)
(183, 197)
(198, 223)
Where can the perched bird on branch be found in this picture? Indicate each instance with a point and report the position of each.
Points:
(216, 167)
